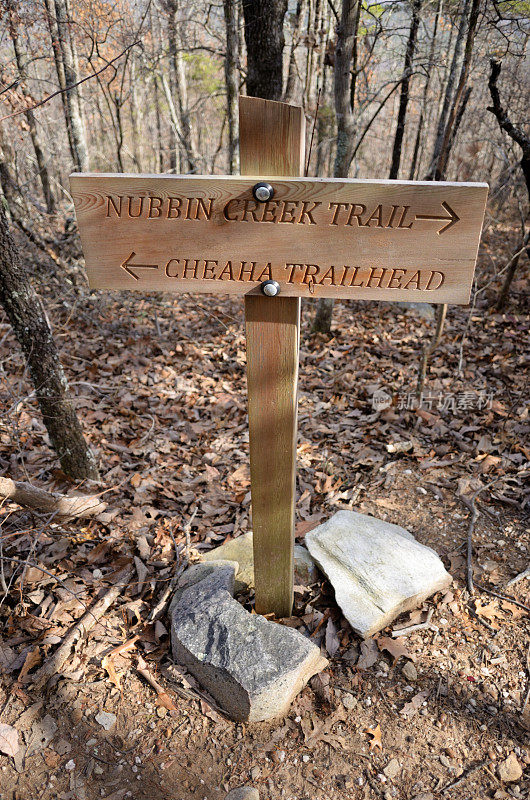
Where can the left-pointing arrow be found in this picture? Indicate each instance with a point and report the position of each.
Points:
(126, 265)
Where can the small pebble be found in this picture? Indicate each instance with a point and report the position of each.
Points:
(70, 765)
(409, 671)
(106, 719)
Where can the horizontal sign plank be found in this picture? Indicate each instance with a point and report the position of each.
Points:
(353, 239)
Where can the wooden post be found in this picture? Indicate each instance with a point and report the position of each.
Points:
(272, 142)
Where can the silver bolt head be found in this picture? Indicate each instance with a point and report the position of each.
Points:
(262, 192)
(271, 288)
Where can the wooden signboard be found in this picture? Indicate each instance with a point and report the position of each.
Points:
(297, 237)
(352, 239)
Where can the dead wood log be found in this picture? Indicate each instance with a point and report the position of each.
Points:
(79, 631)
(50, 502)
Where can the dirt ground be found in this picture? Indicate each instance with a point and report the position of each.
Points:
(159, 385)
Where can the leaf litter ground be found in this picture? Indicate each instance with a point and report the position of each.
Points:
(159, 383)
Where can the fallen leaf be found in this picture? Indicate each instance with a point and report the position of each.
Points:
(489, 611)
(369, 654)
(375, 733)
(164, 700)
(515, 610)
(412, 708)
(108, 665)
(8, 739)
(332, 640)
(32, 659)
(395, 647)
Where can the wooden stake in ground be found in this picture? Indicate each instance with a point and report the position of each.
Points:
(272, 142)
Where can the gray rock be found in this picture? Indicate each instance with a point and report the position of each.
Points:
(252, 667)
(106, 719)
(378, 570)
(243, 793)
(240, 550)
(219, 573)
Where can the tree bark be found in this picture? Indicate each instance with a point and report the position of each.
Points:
(404, 93)
(344, 101)
(21, 61)
(74, 117)
(344, 91)
(460, 99)
(517, 134)
(449, 90)
(178, 85)
(292, 69)
(425, 95)
(28, 319)
(232, 83)
(265, 42)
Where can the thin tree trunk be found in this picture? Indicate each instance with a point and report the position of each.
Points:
(178, 83)
(344, 52)
(404, 93)
(344, 91)
(265, 42)
(449, 89)
(458, 101)
(425, 95)
(21, 60)
(78, 138)
(232, 83)
(59, 67)
(30, 325)
(292, 70)
(520, 137)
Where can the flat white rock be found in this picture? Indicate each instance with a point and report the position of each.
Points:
(378, 569)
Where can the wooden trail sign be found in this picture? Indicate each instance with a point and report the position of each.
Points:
(373, 240)
(306, 237)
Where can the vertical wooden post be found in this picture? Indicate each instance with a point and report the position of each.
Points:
(272, 142)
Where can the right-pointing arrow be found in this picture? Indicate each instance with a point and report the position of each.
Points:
(126, 265)
(452, 219)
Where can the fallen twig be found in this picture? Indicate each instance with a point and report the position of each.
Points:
(78, 632)
(465, 774)
(521, 576)
(506, 597)
(50, 502)
(421, 626)
(527, 695)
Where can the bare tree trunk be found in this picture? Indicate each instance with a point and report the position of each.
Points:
(460, 100)
(59, 67)
(72, 99)
(292, 69)
(449, 89)
(425, 95)
(344, 52)
(265, 42)
(178, 83)
(404, 93)
(232, 83)
(159, 154)
(28, 319)
(520, 137)
(21, 60)
(430, 347)
(344, 90)
(510, 273)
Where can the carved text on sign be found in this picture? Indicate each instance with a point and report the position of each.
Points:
(287, 212)
(337, 238)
